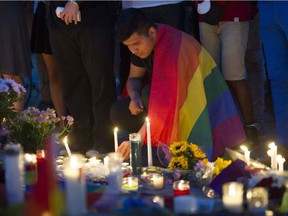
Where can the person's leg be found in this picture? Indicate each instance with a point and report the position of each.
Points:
(55, 85)
(210, 41)
(98, 60)
(255, 68)
(234, 36)
(276, 52)
(76, 87)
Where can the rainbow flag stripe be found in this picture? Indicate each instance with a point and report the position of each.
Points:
(189, 99)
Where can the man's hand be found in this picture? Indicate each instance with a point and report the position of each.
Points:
(124, 150)
(136, 106)
(69, 14)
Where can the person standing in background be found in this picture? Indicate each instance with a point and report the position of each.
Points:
(224, 32)
(50, 83)
(15, 57)
(84, 52)
(274, 35)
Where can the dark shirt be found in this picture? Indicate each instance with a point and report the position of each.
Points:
(147, 63)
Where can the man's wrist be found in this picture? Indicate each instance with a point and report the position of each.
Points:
(73, 2)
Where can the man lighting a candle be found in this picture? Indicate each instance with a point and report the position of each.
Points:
(177, 84)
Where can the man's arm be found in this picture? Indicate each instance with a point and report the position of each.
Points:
(134, 88)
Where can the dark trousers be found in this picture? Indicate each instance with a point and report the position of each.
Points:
(84, 55)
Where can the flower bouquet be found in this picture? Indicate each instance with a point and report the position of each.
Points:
(10, 92)
(32, 126)
(189, 161)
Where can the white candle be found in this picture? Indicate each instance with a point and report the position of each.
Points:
(149, 147)
(75, 186)
(116, 138)
(157, 181)
(272, 152)
(233, 196)
(65, 140)
(14, 174)
(280, 161)
(246, 154)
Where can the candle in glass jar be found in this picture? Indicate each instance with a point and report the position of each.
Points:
(30, 163)
(130, 183)
(233, 196)
(181, 187)
(156, 180)
(257, 199)
(75, 187)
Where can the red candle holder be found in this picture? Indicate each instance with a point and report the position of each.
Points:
(181, 187)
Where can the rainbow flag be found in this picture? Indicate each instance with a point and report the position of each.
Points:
(189, 99)
(46, 196)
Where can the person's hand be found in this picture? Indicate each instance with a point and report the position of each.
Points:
(69, 14)
(124, 150)
(136, 106)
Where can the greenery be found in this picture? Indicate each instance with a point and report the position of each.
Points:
(32, 126)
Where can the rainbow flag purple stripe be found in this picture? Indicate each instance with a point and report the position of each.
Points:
(189, 98)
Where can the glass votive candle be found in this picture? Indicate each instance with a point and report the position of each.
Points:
(130, 183)
(30, 164)
(257, 199)
(181, 187)
(232, 196)
(155, 180)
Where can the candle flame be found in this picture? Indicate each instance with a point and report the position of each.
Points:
(115, 129)
(272, 144)
(244, 148)
(147, 120)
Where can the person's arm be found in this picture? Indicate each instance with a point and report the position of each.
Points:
(134, 88)
(69, 14)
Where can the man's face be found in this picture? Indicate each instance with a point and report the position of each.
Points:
(142, 45)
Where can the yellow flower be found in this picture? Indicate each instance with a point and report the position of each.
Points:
(205, 162)
(177, 148)
(220, 164)
(197, 152)
(178, 163)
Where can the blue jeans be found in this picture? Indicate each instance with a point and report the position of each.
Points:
(274, 33)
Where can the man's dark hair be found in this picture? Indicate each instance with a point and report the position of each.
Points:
(131, 21)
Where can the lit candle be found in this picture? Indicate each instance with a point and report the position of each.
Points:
(65, 140)
(116, 138)
(75, 185)
(246, 154)
(272, 152)
(280, 161)
(30, 169)
(130, 183)
(181, 187)
(157, 181)
(233, 196)
(149, 146)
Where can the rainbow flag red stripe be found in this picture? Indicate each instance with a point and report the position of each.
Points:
(189, 98)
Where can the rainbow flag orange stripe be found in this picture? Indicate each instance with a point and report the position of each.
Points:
(189, 99)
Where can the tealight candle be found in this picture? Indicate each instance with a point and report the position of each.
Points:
(233, 196)
(75, 186)
(155, 180)
(130, 183)
(181, 187)
(257, 199)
